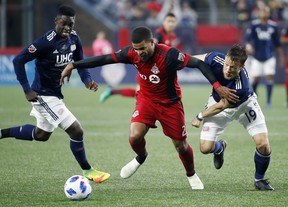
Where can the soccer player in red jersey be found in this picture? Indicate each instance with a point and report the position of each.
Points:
(163, 35)
(166, 33)
(159, 97)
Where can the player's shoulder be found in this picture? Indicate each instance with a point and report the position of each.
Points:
(159, 30)
(255, 22)
(216, 56)
(74, 34)
(272, 23)
(50, 35)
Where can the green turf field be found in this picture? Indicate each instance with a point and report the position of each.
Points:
(33, 174)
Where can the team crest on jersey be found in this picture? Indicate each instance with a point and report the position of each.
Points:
(155, 69)
(181, 57)
(32, 48)
(73, 47)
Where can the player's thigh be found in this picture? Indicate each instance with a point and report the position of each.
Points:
(53, 113)
(214, 126)
(270, 66)
(256, 68)
(172, 120)
(252, 117)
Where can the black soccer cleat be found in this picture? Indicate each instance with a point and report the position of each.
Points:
(263, 185)
(219, 158)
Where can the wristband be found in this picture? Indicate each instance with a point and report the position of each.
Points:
(216, 85)
(199, 116)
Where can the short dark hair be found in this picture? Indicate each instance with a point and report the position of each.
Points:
(237, 53)
(170, 14)
(66, 10)
(141, 33)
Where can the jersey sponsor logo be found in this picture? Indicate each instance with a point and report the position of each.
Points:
(143, 76)
(155, 69)
(154, 79)
(263, 34)
(63, 59)
(136, 113)
(32, 48)
(181, 57)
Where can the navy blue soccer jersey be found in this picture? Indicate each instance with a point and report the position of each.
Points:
(51, 53)
(240, 84)
(264, 39)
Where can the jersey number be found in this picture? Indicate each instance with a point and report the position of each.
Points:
(251, 115)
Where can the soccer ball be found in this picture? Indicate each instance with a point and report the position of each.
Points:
(77, 187)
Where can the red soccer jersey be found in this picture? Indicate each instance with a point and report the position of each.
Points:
(158, 76)
(171, 40)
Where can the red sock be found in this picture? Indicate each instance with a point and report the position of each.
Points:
(187, 159)
(129, 92)
(139, 147)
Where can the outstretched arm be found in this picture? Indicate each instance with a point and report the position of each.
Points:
(86, 63)
(211, 111)
(223, 92)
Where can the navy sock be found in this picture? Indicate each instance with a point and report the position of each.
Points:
(269, 87)
(25, 132)
(261, 164)
(218, 147)
(78, 150)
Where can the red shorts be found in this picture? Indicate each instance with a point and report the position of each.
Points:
(170, 116)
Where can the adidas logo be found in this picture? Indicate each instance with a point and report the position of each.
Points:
(55, 51)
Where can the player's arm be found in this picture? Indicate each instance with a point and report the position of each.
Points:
(211, 111)
(26, 55)
(205, 69)
(84, 73)
(87, 63)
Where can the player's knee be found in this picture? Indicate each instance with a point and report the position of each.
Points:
(264, 148)
(206, 147)
(75, 131)
(42, 136)
(135, 136)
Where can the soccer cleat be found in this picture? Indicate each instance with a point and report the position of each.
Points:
(105, 95)
(195, 182)
(219, 158)
(97, 176)
(129, 169)
(263, 185)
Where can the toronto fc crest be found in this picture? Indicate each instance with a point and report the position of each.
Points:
(155, 69)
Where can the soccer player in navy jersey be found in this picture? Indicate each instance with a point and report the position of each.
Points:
(159, 97)
(219, 113)
(262, 38)
(52, 52)
(163, 35)
(284, 41)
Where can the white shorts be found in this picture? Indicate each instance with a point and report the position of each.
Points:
(50, 113)
(258, 68)
(249, 114)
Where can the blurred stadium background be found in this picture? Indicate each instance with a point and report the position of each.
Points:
(203, 26)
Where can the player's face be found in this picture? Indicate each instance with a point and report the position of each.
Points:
(231, 69)
(64, 25)
(170, 24)
(144, 49)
